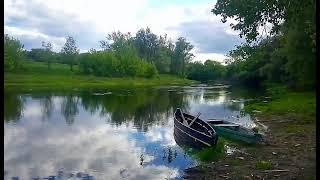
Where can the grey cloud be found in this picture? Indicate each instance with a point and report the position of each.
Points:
(209, 37)
(55, 24)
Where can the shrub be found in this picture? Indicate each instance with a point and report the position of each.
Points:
(13, 53)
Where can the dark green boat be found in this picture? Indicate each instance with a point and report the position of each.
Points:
(235, 131)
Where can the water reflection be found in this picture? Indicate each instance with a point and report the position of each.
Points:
(106, 136)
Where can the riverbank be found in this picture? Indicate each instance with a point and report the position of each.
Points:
(290, 152)
(37, 76)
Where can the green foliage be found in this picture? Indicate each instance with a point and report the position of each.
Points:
(116, 64)
(264, 165)
(288, 56)
(13, 53)
(70, 51)
(212, 154)
(284, 101)
(181, 56)
(210, 70)
(123, 55)
(47, 55)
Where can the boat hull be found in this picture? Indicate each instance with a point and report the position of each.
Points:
(194, 137)
(241, 134)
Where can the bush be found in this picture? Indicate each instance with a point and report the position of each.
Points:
(110, 64)
(13, 53)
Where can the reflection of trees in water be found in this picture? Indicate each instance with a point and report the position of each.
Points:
(46, 106)
(69, 108)
(143, 108)
(169, 155)
(211, 96)
(13, 106)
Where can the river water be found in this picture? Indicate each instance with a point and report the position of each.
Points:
(107, 134)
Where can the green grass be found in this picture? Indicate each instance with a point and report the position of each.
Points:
(302, 104)
(212, 154)
(294, 128)
(264, 165)
(37, 76)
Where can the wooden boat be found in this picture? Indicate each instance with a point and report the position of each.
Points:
(235, 131)
(192, 131)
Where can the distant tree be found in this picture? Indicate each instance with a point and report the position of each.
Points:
(13, 53)
(48, 55)
(120, 41)
(147, 44)
(209, 71)
(35, 54)
(70, 51)
(105, 45)
(181, 56)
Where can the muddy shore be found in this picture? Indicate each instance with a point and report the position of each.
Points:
(290, 153)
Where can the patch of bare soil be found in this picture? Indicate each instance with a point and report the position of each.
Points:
(291, 151)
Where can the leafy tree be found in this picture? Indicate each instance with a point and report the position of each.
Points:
(164, 53)
(120, 41)
(181, 56)
(209, 71)
(288, 54)
(47, 56)
(147, 44)
(36, 54)
(13, 53)
(70, 51)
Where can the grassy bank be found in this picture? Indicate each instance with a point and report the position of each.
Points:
(36, 75)
(280, 101)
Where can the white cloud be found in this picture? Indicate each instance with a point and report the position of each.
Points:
(90, 21)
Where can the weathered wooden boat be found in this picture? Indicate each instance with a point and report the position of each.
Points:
(192, 131)
(235, 131)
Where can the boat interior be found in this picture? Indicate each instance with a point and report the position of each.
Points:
(193, 122)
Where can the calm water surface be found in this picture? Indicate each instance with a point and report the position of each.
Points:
(106, 134)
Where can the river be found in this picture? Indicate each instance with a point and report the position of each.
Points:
(107, 134)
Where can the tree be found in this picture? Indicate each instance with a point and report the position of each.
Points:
(181, 56)
(47, 56)
(292, 26)
(147, 44)
(70, 51)
(13, 53)
(120, 41)
(36, 54)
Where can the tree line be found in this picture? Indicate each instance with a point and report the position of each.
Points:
(285, 55)
(143, 55)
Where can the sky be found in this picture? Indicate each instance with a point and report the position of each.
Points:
(34, 21)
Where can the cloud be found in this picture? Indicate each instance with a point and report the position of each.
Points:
(34, 22)
(209, 37)
(90, 21)
(37, 148)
